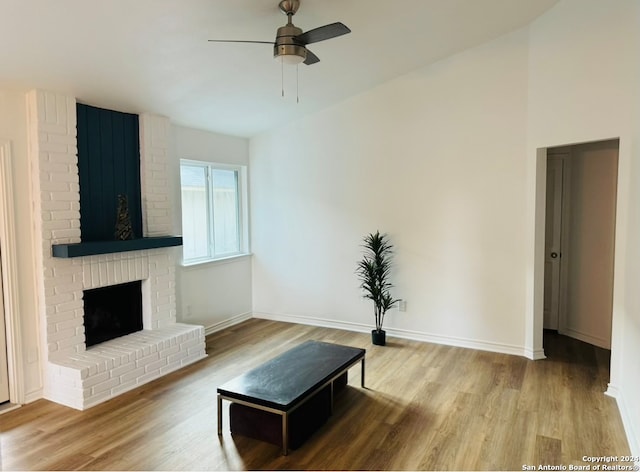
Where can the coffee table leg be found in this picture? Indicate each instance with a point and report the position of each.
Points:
(285, 433)
(362, 376)
(219, 415)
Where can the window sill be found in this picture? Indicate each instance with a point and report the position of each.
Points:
(215, 262)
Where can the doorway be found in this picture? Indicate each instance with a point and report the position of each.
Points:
(4, 366)
(579, 240)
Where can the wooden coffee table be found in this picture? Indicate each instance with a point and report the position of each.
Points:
(287, 382)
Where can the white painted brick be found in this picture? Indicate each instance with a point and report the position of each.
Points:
(62, 196)
(71, 373)
(60, 298)
(68, 177)
(158, 364)
(103, 386)
(58, 336)
(94, 281)
(67, 139)
(95, 379)
(58, 234)
(149, 376)
(59, 150)
(102, 277)
(131, 269)
(73, 287)
(69, 306)
(71, 341)
(198, 349)
(94, 399)
(123, 369)
(55, 186)
(65, 215)
(170, 350)
(56, 224)
(134, 374)
(84, 368)
(64, 391)
(191, 358)
(177, 357)
(65, 269)
(147, 359)
(190, 343)
(124, 387)
(72, 323)
(59, 282)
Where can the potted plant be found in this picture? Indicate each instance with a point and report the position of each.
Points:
(373, 272)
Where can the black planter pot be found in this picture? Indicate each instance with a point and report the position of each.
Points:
(379, 338)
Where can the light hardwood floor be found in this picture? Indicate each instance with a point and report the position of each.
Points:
(426, 407)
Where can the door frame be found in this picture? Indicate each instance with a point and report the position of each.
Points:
(536, 184)
(10, 276)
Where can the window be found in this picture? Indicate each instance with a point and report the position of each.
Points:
(213, 211)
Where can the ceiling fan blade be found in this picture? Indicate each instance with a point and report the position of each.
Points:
(239, 41)
(322, 33)
(311, 58)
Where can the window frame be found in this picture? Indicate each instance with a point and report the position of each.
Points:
(242, 214)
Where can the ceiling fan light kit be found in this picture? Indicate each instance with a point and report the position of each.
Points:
(285, 48)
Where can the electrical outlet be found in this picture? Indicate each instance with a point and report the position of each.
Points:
(187, 310)
(402, 305)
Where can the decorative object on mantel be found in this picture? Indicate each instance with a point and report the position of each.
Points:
(124, 231)
(373, 272)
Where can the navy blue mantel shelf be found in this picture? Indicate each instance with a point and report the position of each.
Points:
(94, 248)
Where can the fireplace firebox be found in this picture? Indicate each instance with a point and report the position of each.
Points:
(111, 312)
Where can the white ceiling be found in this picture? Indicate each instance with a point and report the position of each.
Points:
(153, 55)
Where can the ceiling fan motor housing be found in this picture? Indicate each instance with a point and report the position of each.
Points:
(286, 46)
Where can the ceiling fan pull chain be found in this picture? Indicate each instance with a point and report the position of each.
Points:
(282, 76)
(297, 83)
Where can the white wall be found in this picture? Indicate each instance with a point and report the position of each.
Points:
(436, 159)
(583, 86)
(215, 294)
(13, 127)
(450, 161)
(592, 217)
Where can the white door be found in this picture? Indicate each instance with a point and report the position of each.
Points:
(4, 374)
(553, 233)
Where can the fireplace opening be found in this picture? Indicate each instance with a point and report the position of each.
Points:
(111, 312)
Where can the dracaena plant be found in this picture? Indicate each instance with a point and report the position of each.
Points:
(373, 272)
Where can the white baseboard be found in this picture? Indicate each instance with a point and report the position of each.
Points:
(398, 333)
(534, 354)
(587, 338)
(33, 396)
(629, 428)
(234, 320)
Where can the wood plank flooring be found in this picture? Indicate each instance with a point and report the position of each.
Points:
(426, 407)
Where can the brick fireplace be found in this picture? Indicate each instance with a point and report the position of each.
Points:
(75, 375)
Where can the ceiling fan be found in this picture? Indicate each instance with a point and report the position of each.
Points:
(290, 45)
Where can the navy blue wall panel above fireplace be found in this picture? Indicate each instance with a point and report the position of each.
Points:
(108, 166)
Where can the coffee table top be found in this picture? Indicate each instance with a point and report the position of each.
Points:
(288, 378)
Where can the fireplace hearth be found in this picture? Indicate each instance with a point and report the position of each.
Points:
(111, 312)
